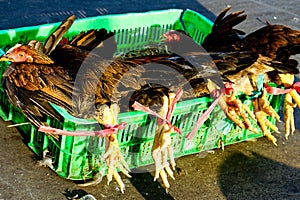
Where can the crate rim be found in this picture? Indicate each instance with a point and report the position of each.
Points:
(69, 117)
(95, 17)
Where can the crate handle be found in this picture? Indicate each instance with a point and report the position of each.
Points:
(181, 20)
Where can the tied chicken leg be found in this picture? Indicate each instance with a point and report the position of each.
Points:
(162, 149)
(291, 100)
(113, 154)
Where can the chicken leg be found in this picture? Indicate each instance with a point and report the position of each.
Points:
(113, 154)
(234, 109)
(263, 109)
(288, 106)
(162, 148)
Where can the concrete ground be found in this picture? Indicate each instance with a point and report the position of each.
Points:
(248, 170)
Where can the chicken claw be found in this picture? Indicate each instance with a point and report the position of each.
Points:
(234, 109)
(113, 154)
(162, 148)
(263, 109)
(264, 105)
(288, 108)
(160, 151)
(115, 160)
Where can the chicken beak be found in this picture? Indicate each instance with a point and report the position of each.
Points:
(5, 58)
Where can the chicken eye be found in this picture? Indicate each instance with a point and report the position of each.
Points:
(21, 55)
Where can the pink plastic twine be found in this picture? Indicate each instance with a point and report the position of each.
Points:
(109, 129)
(217, 93)
(277, 91)
(167, 120)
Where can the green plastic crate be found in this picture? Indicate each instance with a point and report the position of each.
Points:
(78, 158)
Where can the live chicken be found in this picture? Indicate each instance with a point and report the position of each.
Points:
(38, 75)
(265, 51)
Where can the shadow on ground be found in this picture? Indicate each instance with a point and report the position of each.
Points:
(149, 189)
(255, 176)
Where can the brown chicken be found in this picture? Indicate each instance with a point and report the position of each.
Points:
(273, 44)
(266, 51)
(43, 74)
(239, 60)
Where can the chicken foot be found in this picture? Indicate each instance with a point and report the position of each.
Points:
(162, 149)
(115, 161)
(113, 154)
(263, 109)
(234, 109)
(288, 110)
(288, 106)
